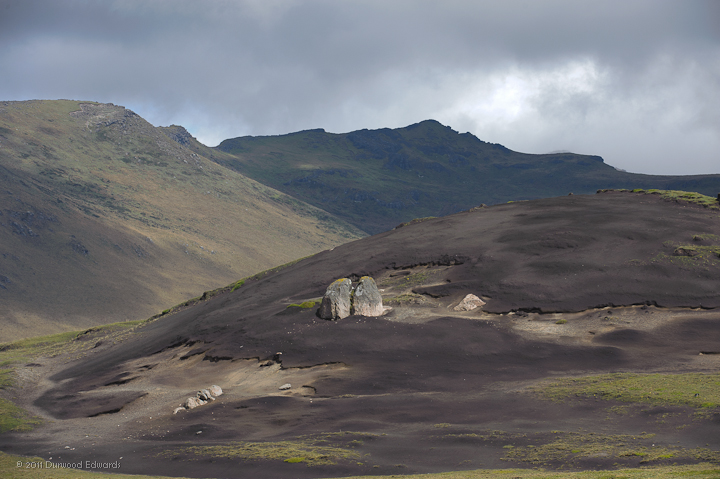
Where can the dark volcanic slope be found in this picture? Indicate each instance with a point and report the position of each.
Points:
(561, 254)
(376, 179)
(402, 376)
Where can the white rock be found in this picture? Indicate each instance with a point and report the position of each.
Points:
(285, 386)
(205, 395)
(215, 390)
(469, 303)
(192, 403)
(178, 409)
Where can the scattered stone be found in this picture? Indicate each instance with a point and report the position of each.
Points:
(367, 300)
(285, 386)
(192, 403)
(202, 397)
(469, 303)
(336, 302)
(205, 395)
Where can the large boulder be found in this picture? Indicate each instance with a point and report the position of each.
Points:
(336, 302)
(367, 300)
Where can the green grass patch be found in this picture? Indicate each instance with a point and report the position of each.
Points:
(304, 305)
(567, 448)
(561, 321)
(678, 195)
(14, 419)
(696, 390)
(314, 451)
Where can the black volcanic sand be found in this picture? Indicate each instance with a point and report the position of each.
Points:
(423, 382)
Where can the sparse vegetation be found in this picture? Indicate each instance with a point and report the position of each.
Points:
(567, 448)
(312, 450)
(696, 390)
(304, 305)
(14, 419)
(678, 195)
(406, 298)
(561, 321)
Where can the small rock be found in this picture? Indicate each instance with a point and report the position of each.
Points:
(205, 395)
(178, 409)
(215, 390)
(192, 403)
(367, 300)
(285, 386)
(469, 303)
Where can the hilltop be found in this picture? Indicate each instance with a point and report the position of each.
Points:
(376, 179)
(104, 217)
(597, 349)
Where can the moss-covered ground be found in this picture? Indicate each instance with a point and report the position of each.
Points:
(315, 450)
(697, 390)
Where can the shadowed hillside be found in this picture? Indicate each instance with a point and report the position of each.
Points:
(376, 179)
(104, 217)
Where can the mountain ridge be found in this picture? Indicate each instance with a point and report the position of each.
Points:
(105, 217)
(376, 179)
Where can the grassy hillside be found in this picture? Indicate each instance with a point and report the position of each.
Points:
(104, 217)
(376, 179)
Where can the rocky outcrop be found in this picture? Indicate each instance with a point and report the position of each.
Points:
(202, 397)
(336, 302)
(469, 303)
(339, 301)
(367, 300)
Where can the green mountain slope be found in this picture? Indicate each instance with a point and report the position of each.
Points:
(104, 217)
(376, 179)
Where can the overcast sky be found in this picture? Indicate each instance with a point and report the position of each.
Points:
(636, 82)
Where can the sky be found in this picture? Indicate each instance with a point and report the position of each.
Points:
(634, 81)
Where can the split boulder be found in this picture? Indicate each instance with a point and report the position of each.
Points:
(367, 300)
(336, 302)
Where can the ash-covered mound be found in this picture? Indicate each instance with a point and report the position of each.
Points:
(557, 263)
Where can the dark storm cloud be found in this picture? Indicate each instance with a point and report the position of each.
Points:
(636, 82)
